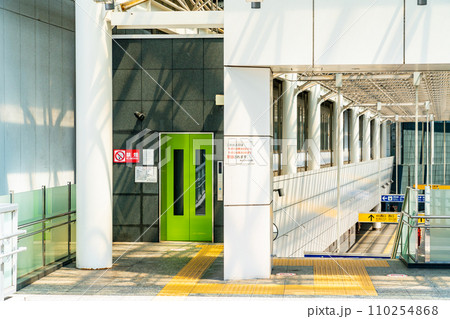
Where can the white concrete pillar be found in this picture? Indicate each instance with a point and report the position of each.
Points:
(248, 188)
(366, 138)
(376, 139)
(337, 116)
(289, 143)
(354, 136)
(384, 137)
(313, 124)
(93, 136)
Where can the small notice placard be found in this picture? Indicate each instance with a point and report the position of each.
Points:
(146, 174)
(126, 156)
(239, 152)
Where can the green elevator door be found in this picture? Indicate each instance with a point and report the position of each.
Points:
(186, 187)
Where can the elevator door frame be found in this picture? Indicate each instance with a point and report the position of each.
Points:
(160, 180)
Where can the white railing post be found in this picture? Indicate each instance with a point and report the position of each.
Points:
(8, 248)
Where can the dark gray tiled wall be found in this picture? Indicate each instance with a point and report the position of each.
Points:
(174, 82)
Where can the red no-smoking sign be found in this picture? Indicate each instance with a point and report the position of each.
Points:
(126, 156)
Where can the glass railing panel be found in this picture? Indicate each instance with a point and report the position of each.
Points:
(57, 200)
(4, 199)
(30, 259)
(73, 237)
(30, 206)
(440, 238)
(56, 240)
(73, 201)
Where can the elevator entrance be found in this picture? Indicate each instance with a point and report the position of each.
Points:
(186, 195)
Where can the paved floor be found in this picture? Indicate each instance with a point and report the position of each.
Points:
(155, 270)
(379, 242)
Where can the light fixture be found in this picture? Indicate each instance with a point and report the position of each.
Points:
(139, 115)
(421, 2)
(109, 4)
(256, 4)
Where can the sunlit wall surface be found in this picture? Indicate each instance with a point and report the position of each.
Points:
(37, 87)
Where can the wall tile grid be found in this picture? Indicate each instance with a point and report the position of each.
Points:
(174, 83)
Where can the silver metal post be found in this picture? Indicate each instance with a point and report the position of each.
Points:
(445, 152)
(416, 149)
(397, 153)
(428, 150)
(339, 164)
(432, 151)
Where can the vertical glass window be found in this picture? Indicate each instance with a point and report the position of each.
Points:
(178, 182)
(301, 120)
(200, 182)
(277, 122)
(325, 127)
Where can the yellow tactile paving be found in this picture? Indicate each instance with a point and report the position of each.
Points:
(338, 277)
(183, 283)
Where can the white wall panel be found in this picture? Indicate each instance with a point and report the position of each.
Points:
(273, 35)
(257, 188)
(248, 102)
(427, 32)
(247, 234)
(3, 183)
(42, 103)
(42, 10)
(13, 113)
(358, 32)
(306, 215)
(56, 100)
(37, 110)
(27, 100)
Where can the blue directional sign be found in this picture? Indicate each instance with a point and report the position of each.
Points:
(392, 198)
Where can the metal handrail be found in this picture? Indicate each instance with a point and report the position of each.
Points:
(424, 226)
(46, 219)
(46, 228)
(425, 217)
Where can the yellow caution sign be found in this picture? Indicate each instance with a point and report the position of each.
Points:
(422, 187)
(421, 220)
(378, 218)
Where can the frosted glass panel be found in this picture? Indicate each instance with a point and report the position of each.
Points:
(30, 259)
(440, 238)
(4, 199)
(56, 240)
(30, 206)
(57, 200)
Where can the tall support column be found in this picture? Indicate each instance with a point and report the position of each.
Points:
(354, 137)
(376, 157)
(93, 136)
(338, 135)
(432, 150)
(366, 138)
(248, 183)
(383, 139)
(314, 128)
(397, 152)
(416, 131)
(339, 154)
(376, 139)
(289, 152)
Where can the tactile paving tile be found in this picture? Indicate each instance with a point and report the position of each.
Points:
(183, 283)
(338, 277)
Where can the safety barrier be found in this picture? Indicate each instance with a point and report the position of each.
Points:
(9, 249)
